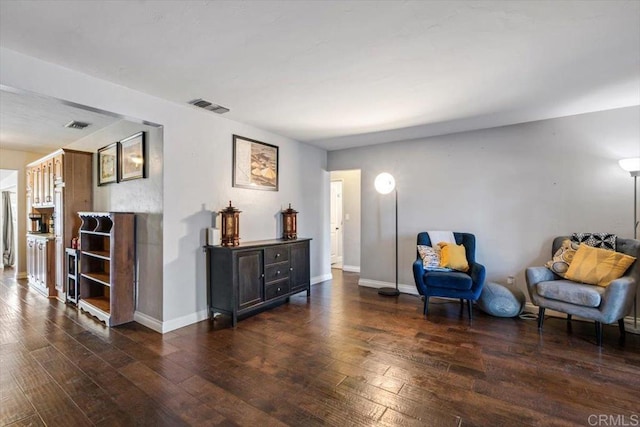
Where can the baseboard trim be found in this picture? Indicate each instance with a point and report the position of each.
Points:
(628, 325)
(628, 320)
(180, 322)
(351, 268)
(21, 275)
(405, 289)
(321, 278)
(183, 321)
(148, 321)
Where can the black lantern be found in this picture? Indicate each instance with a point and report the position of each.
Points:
(289, 224)
(230, 226)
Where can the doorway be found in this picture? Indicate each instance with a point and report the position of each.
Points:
(8, 218)
(345, 200)
(337, 242)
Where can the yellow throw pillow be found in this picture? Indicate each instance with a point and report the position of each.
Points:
(596, 266)
(453, 256)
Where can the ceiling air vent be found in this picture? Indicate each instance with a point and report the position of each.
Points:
(209, 106)
(73, 124)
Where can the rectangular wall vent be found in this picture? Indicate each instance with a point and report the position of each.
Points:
(210, 106)
(73, 124)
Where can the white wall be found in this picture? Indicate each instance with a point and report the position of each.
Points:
(351, 194)
(142, 196)
(197, 178)
(514, 187)
(17, 160)
(10, 180)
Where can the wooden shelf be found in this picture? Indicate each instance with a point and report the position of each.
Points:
(102, 278)
(101, 303)
(107, 269)
(98, 254)
(97, 233)
(96, 306)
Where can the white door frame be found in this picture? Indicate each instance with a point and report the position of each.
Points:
(13, 199)
(336, 223)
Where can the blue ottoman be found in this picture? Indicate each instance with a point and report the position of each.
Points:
(501, 301)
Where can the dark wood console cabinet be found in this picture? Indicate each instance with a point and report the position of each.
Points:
(255, 276)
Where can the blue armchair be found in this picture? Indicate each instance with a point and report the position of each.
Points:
(451, 284)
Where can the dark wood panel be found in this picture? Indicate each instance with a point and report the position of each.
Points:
(14, 405)
(350, 358)
(276, 289)
(276, 254)
(250, 278)
(276, 271)
(227, 404)
(300, 274)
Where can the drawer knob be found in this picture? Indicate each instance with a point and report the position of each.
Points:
(262, 276)
(278, 289)
(277, 255)
(290, 268)
(278, 273)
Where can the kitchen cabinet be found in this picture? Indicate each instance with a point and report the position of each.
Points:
(41, 263)
(58, 187)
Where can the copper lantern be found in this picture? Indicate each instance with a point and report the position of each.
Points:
(230, 226)
(289, 224)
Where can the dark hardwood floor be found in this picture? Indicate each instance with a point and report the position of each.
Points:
(349, 357)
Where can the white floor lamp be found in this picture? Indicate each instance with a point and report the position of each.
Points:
(633, 167)
(385, 184)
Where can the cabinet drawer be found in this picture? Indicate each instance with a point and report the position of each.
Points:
(276, 254)
(276, 289)
(277, 271)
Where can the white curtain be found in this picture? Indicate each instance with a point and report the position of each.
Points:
(8, 242)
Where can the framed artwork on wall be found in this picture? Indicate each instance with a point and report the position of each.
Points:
(108, 164)
(131, 159)
(255, 164)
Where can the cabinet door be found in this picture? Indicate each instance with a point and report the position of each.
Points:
(60, 265)
(36, 174)
(31, 259)
(29, 183)
(29, 191)
(249, 278)
(47, 182)
(299, 266)
(58, 217)
(40, 263)
(57, 168)
(44, 183)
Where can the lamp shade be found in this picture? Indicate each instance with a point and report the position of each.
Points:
(384, 183)
(630, 165)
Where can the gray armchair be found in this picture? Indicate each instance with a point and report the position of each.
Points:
(604, 305)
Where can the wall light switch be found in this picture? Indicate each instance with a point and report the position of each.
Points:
(346, 217)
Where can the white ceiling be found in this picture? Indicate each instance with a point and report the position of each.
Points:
(348, 73)
(30, 122)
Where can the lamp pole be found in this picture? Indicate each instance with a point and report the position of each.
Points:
(635, 206)
(635, 236)
(397, 291)
(385, 184)
(632, 165)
